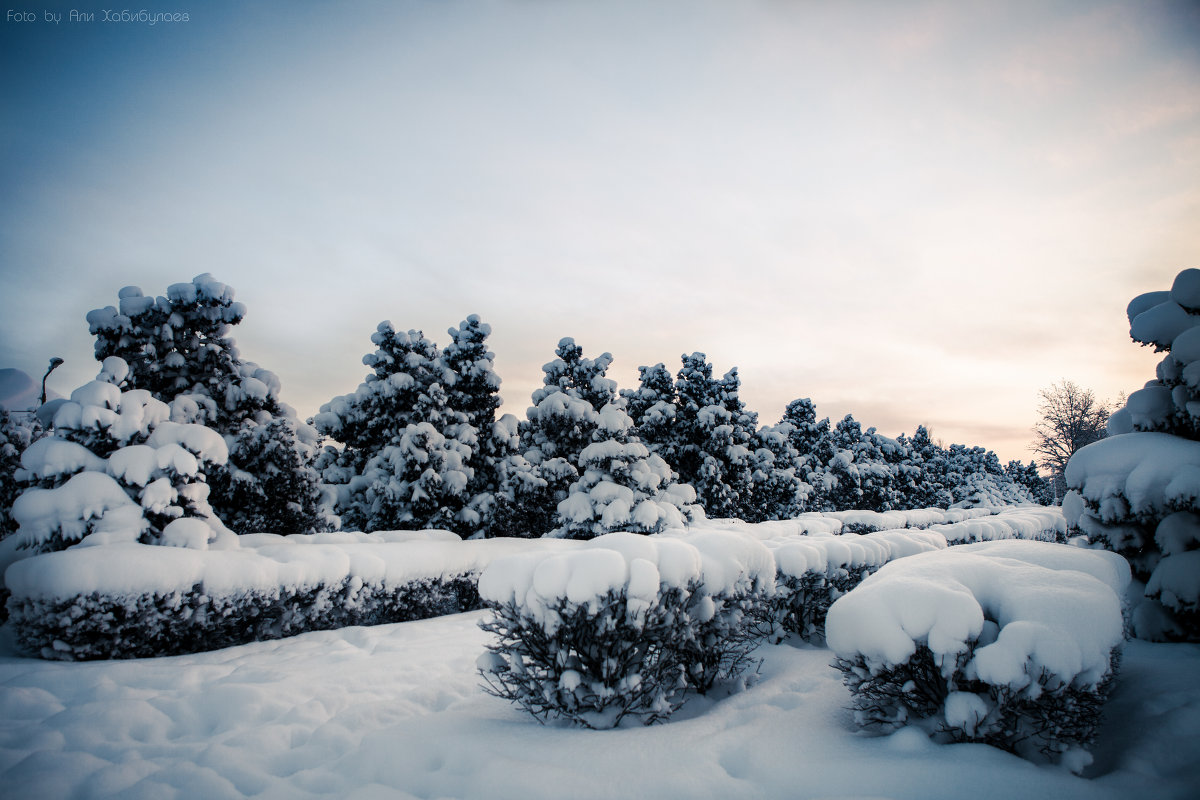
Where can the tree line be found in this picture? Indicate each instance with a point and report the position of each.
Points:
(419, 445)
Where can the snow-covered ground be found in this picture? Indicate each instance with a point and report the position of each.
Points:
(396, 711)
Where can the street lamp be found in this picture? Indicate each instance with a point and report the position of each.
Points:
(54, 364)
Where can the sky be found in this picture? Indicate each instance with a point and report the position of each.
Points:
(915, 212)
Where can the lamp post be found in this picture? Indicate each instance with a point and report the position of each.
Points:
(54, 364)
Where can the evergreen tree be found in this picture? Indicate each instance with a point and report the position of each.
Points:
(622, 486)
(779, 493)
(715, 437)
(1026, 475)
(813, 444)
(406, 457)
(557, 428)
(932, 489)
(113, 463)
(652, 408)
(472, 389)
(178, 348)
(16, 434)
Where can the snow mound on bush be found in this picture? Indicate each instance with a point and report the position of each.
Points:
(1053, 613)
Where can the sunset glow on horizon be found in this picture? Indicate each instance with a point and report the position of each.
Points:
(918, 213)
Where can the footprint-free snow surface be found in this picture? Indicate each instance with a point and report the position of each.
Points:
(396, 711)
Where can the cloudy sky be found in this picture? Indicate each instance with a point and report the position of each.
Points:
(921, 213)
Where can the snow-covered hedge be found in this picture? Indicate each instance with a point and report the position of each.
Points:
(268, 585)
(132, 600)
(1012, 643)
(816, 567)
(622, 626)
(814, 571)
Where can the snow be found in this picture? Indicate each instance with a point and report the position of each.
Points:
(263, 562)
(1186, 289)
(69, 508)
(396, 711)
(1053, 614)
(50, 457)
(1137, 467)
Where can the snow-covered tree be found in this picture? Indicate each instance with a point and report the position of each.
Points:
(406, 456)
(558, 426)
(931, 489)
(17, 432)
(715, 438)
(652, 407)
(578, 377)
(178, 348)
(1027, 475)
(115, 466)
(813, 443)
(472, 389)
(1137, 491)
(622, 486)
(779, 492)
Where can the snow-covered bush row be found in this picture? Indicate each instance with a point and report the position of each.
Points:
(1012, 643)
(131, 600)
(814, 571)
(1137, 492)
(624, 625)
(956, 525)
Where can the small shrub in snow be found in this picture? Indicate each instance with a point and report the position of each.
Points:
(1009, 643)
(622, 626)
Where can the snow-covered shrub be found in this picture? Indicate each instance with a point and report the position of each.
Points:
(623, 625)
(130, 600)
(814, 571)
(622, 486)
(96, 626)
(115, 465)
(1137, 492)
(1011, 643)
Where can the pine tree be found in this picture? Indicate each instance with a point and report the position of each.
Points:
(16, 434)
(779, 493)
(1026, 475)
(622, 486)
(406, 461)
(813, 443)
(932, 489)
(178, 348)
(557, 428)
(653, 409)
(472, 389)
(114, 464)
(715, 437)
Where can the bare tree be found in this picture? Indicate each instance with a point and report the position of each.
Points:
(1071, 418)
